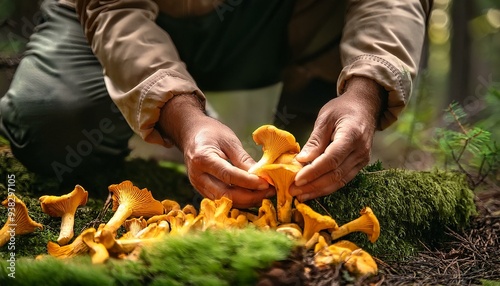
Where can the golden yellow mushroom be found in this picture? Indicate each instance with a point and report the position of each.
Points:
(367, 223)
(64, 207)
(18, 220)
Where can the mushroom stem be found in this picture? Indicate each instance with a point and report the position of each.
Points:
(122, 213)
(66, 233)
(367, 223)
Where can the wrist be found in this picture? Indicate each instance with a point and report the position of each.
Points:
(177, 115)
(369, 94)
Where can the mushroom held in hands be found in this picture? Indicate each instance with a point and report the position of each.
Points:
(281, 176)
(313, 221)
(129, 200)
(18, 220)
(275, 142)
(65, 207)
(367, 223)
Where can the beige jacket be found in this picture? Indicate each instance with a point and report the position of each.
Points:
(381, 40)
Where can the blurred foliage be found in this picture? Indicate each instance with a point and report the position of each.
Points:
(218, 257)
(468, 148)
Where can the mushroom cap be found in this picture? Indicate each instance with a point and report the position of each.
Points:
(361, 263)
(70, 250)
(141, 202)
(57, 206)
(274, 143)
(275, 140)
(313, 221)
(170, 205)
(367, 212)
(135, 224)
(22, 220)
(267, 215)
(215, 213)
(366, 223)
(291, 230)
(189, 209)
(98, 251)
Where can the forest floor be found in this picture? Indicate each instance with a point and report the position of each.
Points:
(471, 257)
(468, 258)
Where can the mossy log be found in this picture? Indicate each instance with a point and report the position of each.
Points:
(413, 207)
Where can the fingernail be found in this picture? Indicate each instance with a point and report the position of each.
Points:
(300, 182)
(304, 197)
(262, 187)
(296, 192)
(270, 194)
(301, 154)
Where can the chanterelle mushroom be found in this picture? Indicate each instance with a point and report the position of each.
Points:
(65, 207)
(275, 142)
(98, 251)
(266, 216)
(129, 200)
(70, 250)
(367, 223)
(313, 221)
(281, 177)
(18, 220)
(361, 263)
(215, 213)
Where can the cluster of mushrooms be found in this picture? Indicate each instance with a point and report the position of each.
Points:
(142, 220)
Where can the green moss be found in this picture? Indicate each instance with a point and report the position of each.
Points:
(223, 257)
(412, 207)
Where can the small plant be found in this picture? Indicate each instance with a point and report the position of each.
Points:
(468, 147)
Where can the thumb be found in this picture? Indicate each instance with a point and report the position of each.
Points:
(239, 157)
(315, 145)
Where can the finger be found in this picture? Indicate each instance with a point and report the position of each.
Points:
(316, 143)
(212, 188)
(238, 156)
(316, 192)
(225, 172)
(339, 149)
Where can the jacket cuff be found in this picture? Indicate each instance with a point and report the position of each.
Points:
(142, 105)
(396, 81)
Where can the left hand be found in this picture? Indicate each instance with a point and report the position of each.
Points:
(340, 143)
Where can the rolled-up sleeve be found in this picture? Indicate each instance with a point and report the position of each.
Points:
(142, 68)
(383, 40)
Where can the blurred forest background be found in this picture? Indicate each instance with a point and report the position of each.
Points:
(461, 64)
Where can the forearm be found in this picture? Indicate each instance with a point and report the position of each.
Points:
(178, 116)
(369, 94)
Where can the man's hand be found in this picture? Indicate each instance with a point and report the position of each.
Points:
(340, 143)
(216, 162)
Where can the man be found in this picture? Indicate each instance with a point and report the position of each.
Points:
(158, 56)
